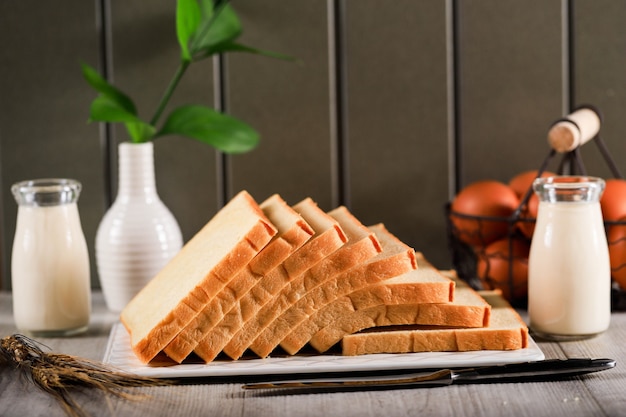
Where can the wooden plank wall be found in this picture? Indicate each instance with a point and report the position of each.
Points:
(393, 107)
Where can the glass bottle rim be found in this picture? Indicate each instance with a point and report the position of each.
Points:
(569, 180)
(569, 188)
(43, 192)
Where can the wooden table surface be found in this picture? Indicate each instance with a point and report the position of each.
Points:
(600, 394)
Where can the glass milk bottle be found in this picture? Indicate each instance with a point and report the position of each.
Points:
(569, 273)
(50, 262)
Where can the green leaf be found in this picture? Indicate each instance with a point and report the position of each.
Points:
(188, 16)
(207, 9)
(102, 86)
(221, 26)
(236, 47)
(140, 131)
(106, 109)
(225, 133)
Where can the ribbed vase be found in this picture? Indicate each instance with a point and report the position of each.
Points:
(138, 235)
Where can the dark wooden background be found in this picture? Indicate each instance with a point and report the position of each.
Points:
(394, 107)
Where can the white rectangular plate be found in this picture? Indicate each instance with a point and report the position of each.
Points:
(120, 355)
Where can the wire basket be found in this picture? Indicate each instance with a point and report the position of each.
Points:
(475, 264)
(503, 263)
(466, 260)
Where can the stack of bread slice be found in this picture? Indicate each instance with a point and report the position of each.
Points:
(268, 277)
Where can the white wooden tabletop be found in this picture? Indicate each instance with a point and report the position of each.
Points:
(600, 394)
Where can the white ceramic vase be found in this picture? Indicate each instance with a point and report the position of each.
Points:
(138, 235)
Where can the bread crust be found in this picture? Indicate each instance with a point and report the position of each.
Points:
(467, 310)
(281, 300)
(386, 280)
(392, 263)
(187, 283)
(293, 232)
(304, 294)
(506, 331)
(228, 334)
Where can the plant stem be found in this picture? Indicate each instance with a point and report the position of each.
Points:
(170, 89)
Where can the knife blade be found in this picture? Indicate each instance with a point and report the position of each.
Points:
(549, 369)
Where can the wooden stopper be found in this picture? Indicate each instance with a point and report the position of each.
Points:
(574, 130)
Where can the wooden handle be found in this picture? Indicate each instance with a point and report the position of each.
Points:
(574, 130)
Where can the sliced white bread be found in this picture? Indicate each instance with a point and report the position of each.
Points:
(202, 268)
(395, 259)
(293, 232)
(468, 310)
(506, 331)
(294, 303)
(328, 237)
(421, 285)
(361, 246)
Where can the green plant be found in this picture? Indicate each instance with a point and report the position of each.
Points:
(204, 28)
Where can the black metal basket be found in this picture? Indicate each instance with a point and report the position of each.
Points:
(466, 258)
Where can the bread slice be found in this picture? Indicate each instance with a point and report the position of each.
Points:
(506, 331)
(467, 310)
(380, 283)
(361, 246)
(328, 237)
(204, 266)
(395, 259)
(293, 232)
(298, 299)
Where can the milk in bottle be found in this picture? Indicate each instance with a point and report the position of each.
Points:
(50, 262)
(569, 273)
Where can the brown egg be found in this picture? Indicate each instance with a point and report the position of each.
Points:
(616, 237)
(528, 216)
(522, 182)
(613, 200)
(487, 198)
(494, 263)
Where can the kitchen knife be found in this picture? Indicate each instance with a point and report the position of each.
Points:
(517, 372)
